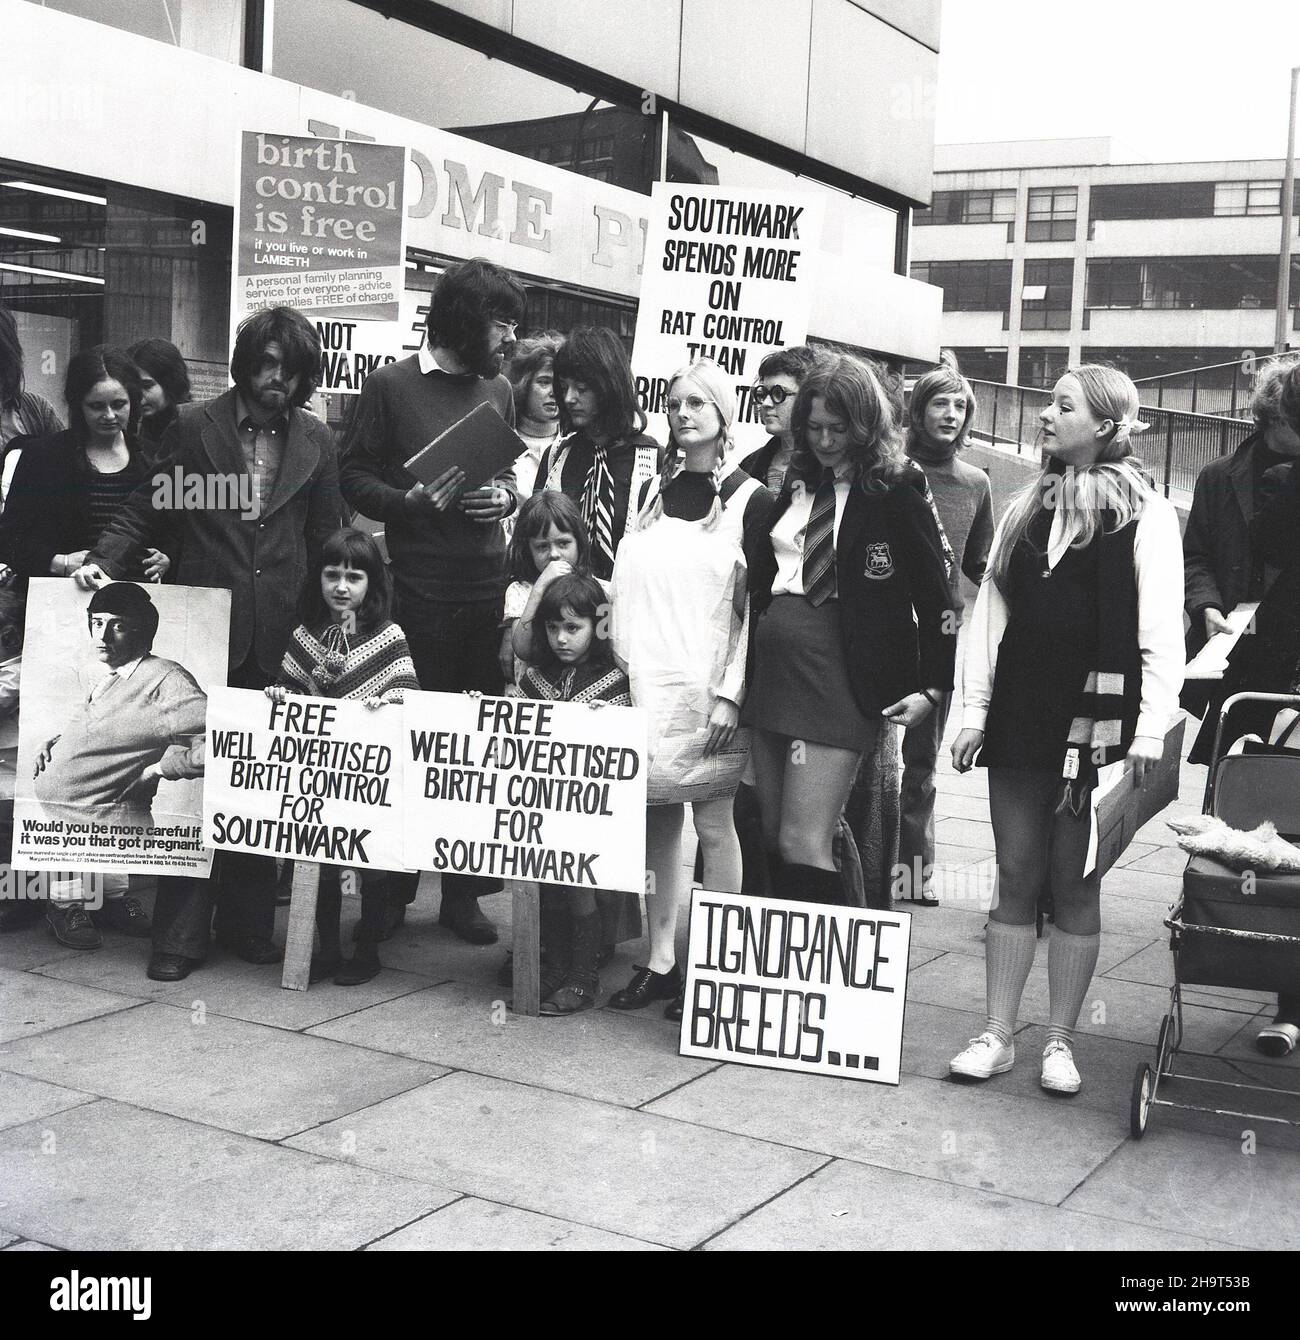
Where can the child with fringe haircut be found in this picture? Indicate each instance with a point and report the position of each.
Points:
(348, 647)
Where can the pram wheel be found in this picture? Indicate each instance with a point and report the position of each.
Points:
(1140, 1107)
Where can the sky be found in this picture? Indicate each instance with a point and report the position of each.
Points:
(1168, 81)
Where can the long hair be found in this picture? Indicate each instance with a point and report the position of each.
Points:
(536, 516)
(11, 360)
(853, 391)
(530, 356)
(582, 595)
(466, 298)
(86, 369)
(595, 357)
(351, 548)
(1107, 495)
(163, 361)
(1270, 383)
(716, 385)
(942, 381)
(298, 342)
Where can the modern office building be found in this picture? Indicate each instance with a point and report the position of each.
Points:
(536, 128)
(1048, 253)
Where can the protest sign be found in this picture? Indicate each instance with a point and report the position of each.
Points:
(311, 779)
(111, 732)
(796, 986)
(729, 275)
(526, 790)
(320, 226)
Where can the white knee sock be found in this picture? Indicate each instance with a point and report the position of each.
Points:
(1008, 956)
(1071, 960)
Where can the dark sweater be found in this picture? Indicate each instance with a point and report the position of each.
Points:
(689, 497)
(442, 556)
(965, 503)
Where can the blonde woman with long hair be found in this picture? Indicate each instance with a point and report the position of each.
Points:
(1074, 661)
(681, 628)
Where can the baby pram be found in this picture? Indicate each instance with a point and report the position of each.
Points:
(1230, 929)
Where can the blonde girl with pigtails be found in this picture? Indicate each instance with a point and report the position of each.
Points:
(681, 628)
(1073, 662)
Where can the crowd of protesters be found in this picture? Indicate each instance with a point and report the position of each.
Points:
(782, 619)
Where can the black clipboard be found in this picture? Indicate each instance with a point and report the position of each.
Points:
(482, 444)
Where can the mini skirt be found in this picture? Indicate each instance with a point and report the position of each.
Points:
(801, 683)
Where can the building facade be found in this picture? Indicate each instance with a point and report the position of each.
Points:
(535, 130)
(1048, 253)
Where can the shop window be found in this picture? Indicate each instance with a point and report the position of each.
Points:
(1053, 213)
(1233, 198)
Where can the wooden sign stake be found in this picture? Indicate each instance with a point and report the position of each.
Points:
(301, 936)
(526, 902)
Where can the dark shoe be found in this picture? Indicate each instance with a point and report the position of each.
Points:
(361, 967)
(171, 967)
(677, 1008)
(126, 916)
(252, 949)
(646, 987)
(72, 926)
(467, 920)
(17, 914)
(323, 966)
(576, 994)
(1278, 1039)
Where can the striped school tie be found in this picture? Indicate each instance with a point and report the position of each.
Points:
(819, 543)
(598, 512)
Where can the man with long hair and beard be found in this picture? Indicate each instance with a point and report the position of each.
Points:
(447, 547)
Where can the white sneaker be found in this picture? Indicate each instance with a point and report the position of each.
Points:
(987, 1055)
(1059, 1072)
(1278, 1039)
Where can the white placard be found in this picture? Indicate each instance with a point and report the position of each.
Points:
(729, 274)
(796, 986)
(311, 779)
(515, 788)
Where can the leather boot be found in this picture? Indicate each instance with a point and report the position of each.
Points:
(580, 986)
(807, 884)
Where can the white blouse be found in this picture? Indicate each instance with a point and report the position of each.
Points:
(1158, 559)
(788, 533)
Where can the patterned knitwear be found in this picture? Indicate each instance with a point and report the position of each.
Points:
(330, 663)
(579, 684)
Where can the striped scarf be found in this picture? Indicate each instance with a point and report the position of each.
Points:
(330, 664)
(585, 683)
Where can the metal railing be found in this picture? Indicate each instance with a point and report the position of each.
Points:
(1175, 448)
(1217, 388)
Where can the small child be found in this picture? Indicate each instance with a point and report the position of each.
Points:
(576, 667)
(348, 648)
(549, 542)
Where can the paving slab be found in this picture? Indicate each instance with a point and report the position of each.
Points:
(628, 1172)
(260, 1081)
(949, 805)
(1128, 915)
(1154, 965)
(30, 1004)
(956, 857)
(24, 949)
(1169, 861)
(23, 1099)
(120, 968)
(1151, 886)
(30, 1247)
(850, 1206)
(594, 1055)
(124, 1179)
(976, 1136)
(1191, 1183)
(1113, 1008)
(7, 1239)
(472, 1225)
(952, 929)
(955, 832)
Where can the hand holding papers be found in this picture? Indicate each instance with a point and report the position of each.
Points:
(1212, 660)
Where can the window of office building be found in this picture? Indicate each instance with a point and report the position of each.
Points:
(210, 27)
(1248, 197)
(967, 207)
(90, 262)
(1226, 283)
(1152, 200)
(969, 286)
(981, 365)
(1053, 211)
(1045, 298)
(1043, 367)
(356, 53)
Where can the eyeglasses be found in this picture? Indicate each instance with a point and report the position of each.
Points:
(693, 404)
(509, 328)
(778, 395)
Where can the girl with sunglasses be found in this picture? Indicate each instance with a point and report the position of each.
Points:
(780, 375)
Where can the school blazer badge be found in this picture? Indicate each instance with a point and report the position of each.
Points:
(880, 562)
